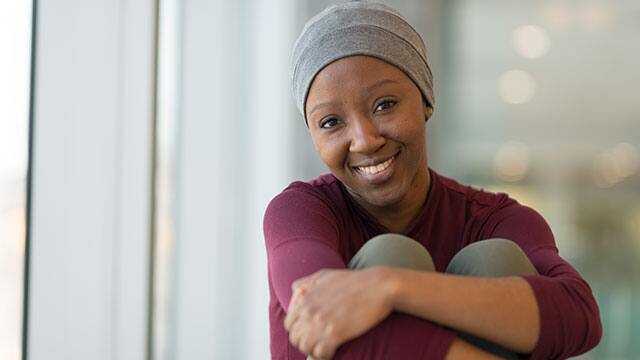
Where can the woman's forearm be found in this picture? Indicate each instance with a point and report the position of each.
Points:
(501, 310)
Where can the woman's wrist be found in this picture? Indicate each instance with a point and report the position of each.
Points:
(390, 283)
(400, 288)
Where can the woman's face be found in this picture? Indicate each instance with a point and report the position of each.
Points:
(367, 122)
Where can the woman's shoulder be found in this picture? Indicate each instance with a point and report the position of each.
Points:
(325, 187)
(323, 183)
(321, 193)
(474, 198)
(485, 210)
(305, 209)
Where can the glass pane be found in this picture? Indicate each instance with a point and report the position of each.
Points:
(215, 172)
(165, 177)
(540, 100)
(15, 60)
(537, 99)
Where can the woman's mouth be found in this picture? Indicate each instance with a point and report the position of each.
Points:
(377, 173)
(374, 169)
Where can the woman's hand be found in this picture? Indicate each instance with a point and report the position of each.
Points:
(331, 307)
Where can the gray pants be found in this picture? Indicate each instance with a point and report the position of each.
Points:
(489, 258)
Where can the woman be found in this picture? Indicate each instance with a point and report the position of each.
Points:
(383, 258)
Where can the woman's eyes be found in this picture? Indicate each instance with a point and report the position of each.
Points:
(385, 104)
(331, 122)
(328, 123)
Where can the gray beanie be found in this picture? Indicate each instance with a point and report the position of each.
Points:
(358, 28)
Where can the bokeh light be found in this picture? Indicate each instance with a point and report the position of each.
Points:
(558, 14)
(530, 41)
(516, 87)
(615, 164)
(596, 16)
(511, 161)
(625, 159)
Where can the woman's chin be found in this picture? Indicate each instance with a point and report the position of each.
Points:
(381, 198)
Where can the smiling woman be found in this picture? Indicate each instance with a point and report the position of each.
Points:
(372, 136)
(385, 258)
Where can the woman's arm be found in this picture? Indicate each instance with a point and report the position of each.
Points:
(552, 315)
(501, 310)
(349, 302)
(301, 239)
(569, 315)
(332, 306)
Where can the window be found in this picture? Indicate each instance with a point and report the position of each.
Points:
(15, 72)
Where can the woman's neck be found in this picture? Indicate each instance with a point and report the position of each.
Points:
(397, 217)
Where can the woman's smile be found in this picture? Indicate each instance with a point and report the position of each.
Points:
(378, 172)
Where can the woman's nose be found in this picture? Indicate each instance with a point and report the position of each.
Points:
(365, 137)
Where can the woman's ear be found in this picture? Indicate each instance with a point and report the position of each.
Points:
(428, 110)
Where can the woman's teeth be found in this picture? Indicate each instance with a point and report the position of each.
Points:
(374, 169)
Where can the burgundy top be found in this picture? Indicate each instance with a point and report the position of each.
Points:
(317, 224)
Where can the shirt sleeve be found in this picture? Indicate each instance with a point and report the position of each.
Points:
(302, 237)
(569, 316)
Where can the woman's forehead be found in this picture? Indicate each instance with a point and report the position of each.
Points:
(355, 77)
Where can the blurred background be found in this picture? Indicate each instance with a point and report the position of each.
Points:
(539, 99)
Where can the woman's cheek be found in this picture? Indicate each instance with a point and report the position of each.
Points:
(336, 152)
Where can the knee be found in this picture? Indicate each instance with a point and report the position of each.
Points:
(492, 257)
(392, 250)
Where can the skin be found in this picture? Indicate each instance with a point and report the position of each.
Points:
(361, 110)
(355, 119)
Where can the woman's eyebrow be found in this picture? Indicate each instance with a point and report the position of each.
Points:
(321, 105)
(365, 92)
(378, 83)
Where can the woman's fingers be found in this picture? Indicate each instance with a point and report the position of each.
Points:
(307, 281)
(305, 332)
(300, 288)
(306, 344)
(293, 310)
(295, 334)
(313, 341)
(323, 350)
(292, 315)
(311, 319)
(300, 283)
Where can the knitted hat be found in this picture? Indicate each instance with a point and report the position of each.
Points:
(358, 28)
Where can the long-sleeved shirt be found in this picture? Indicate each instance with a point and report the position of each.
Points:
(318, 225)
